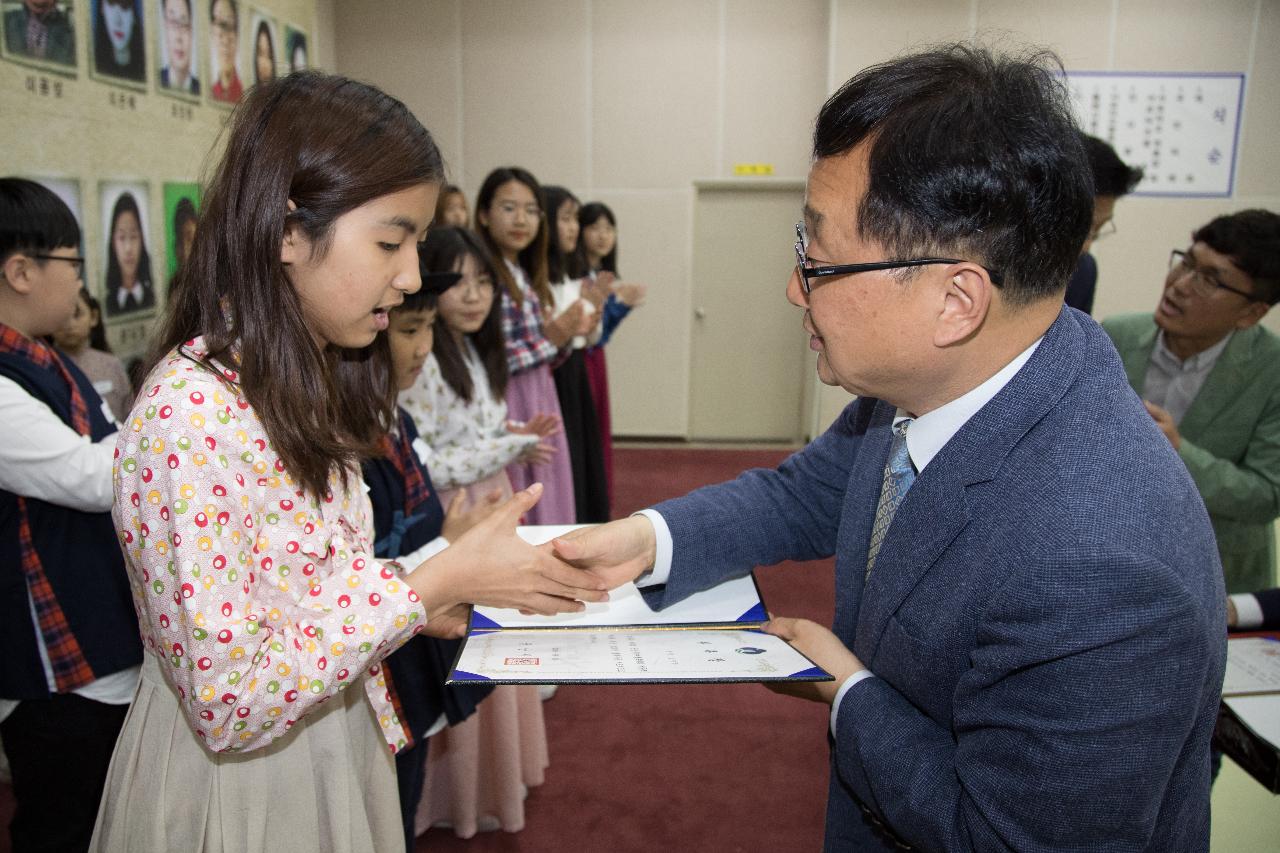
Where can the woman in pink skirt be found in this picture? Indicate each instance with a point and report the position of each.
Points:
(510, 219)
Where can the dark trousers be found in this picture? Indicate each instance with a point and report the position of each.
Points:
(59, 749)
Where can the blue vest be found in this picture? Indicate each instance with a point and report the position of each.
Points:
(80, 553)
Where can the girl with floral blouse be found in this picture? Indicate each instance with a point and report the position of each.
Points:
(262, 719)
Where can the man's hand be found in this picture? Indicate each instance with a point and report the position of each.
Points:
(616, 552)
(1233, 618)
(820, 646)
(1164, 420)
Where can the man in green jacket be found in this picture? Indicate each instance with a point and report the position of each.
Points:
(1210, 377)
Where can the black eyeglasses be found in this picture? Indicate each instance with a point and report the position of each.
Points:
(76, 262)
(1202, 282)
(807, 273)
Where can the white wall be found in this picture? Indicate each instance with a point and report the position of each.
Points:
(632, 102)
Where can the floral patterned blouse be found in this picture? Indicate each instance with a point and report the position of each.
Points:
(461, 443)
(260, 601)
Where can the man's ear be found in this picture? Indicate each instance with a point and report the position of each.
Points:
(18, 272)
(294, 246)
(1253, 315)
(966, 299)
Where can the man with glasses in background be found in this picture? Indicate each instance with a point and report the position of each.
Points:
(179, 72)
(1209, 374)
(1028, 642)
(1112, 178)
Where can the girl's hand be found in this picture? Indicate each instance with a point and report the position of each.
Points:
(562, 329)
(537, 454)
(491, 565)
(590, 319)
(462, 514)
(594, 292)
(541, 425)
(631, 295)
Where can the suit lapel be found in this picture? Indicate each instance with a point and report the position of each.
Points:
(936, 508)
(1136, 356)
(1225, 382)
(857, 515)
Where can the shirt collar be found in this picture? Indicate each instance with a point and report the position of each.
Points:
(929, 433)
(1197, 361)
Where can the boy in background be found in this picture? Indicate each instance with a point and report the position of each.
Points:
(71, 649)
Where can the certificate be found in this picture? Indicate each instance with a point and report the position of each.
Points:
(712, 636)
(1253, 666)
(630, 657)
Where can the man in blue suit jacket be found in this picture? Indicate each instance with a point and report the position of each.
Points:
(1029, 632)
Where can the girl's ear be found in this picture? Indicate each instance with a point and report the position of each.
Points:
(294, 247)
(482, 218)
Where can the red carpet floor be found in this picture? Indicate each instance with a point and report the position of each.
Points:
(702, 767)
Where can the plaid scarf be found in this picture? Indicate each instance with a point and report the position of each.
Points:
(70, 669)
(397, 448)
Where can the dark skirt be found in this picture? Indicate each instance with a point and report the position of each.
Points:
(598, 374)
(582, 431)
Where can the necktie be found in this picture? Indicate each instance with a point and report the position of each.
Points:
(898, 477)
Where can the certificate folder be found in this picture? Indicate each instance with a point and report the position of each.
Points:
(711, 637)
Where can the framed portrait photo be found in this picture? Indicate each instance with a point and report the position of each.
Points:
(225, 83)
(263, 46)
(118, 45)
(181, 215)
(297, 51)
(41, 33)
(177, 33)
(128, 282)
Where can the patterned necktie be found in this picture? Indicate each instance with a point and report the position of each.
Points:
(898, 477)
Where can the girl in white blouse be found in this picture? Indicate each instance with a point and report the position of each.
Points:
(479, 771)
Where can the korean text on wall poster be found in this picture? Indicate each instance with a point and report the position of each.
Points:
(1182, 129)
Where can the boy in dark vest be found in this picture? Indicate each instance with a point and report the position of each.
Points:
(69, 646)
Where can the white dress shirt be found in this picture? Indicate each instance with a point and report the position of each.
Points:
(43, 458)
(926, 437)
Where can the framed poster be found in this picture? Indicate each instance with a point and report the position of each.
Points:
(181, 213)
(128, 287)
(176, 37)
(1182, 129)
(264, 48)
(40, 33)
(119, 45)
(225, 86)
(295, 45)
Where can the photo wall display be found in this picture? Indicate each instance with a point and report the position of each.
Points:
(181, 213)
(41, 34)
(202, 51)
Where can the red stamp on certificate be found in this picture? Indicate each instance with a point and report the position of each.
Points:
(520, 662)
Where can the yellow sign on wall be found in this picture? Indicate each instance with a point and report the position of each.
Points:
(752, 169)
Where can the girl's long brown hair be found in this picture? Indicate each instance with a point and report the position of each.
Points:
(329, 145)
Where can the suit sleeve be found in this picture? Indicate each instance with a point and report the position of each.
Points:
(1248, 490)
(1067, 723)
(1269, 601)
(764, 516)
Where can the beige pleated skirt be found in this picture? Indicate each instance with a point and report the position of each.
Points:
(329, 784)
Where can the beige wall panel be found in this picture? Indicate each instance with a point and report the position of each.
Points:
(655, 97)
(1079, 32)
(1184, 35)
(1258, 169)
(871, 31)
(649, 354)
(775, 81)
(409, 49)
(524, 89)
